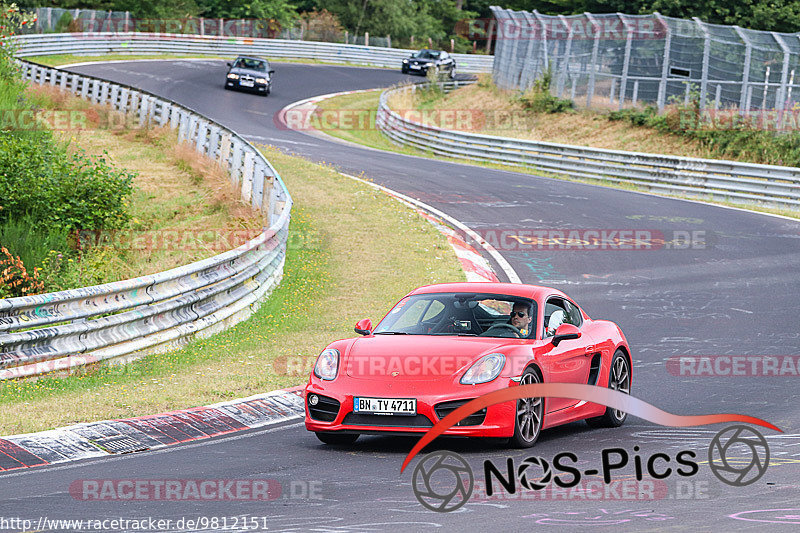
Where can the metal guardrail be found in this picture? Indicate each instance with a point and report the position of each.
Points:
(152, 43)
(123, 320)
(707, 178)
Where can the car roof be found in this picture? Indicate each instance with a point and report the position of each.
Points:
(536, 292)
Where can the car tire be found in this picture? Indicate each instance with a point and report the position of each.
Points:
(528, 414)
(337, 438)
(453, 73)
(619, 378)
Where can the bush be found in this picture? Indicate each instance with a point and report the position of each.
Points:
(737, 141)
(539, 100)
(15, 280)
(40, 179)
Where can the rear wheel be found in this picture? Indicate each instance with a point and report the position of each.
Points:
(619, 378)
(337, 438)
(529, 414)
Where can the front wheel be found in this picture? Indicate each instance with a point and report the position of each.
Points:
(337, 438)
(529, 414)
(619, 378)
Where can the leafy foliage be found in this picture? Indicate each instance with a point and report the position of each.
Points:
(539, 99)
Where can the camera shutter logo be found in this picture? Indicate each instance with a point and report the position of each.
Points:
(443, 481)
(525, 469)
(735, 470)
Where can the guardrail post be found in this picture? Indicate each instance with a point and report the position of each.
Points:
(183, 130)
(247, 176)
(76, 86)
(623, 84)
(96, 86)
(104, 92)
(53, 76)
(213, 142)
(166, 112)
(744, 98)
(256, 195)
(85, 82)
(706, 53)
(225, 151)
(144, 102)
(202, 136)
(64, 80)
(595, 51)
(236, 163)
(662, 85)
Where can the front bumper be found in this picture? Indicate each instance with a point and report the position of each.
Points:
(498, 420)
(256, 87)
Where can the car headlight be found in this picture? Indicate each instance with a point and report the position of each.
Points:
(405, 61)
(327, 364)
(233, 76)
(484, 369)
(261, 80)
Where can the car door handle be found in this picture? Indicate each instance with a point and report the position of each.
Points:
(589, 349)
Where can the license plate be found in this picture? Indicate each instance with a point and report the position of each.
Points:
(385, 406)
(415, 66)
(246, 83)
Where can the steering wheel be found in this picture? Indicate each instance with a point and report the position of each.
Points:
(496, 327)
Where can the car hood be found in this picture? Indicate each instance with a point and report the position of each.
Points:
(249, 72)
(418, 357)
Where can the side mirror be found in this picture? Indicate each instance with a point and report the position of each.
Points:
(566, 332)
(229, 64)
(364, 326)
(272, 72)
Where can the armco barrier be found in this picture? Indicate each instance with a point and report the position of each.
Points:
(709, 178)
(63, 330)
(151, 43)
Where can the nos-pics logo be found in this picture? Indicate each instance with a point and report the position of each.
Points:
(443, 481)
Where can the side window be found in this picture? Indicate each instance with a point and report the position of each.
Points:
(555, 314)
(574, 316)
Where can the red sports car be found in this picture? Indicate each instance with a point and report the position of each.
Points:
(443, 345)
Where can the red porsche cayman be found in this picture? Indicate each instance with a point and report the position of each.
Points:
(443, 345)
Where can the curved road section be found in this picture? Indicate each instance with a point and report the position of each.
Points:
(722, 292)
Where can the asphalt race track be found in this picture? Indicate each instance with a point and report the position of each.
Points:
(735, 292)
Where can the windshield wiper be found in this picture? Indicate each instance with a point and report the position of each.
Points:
(391, 333)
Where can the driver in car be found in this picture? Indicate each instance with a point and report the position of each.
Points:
(521, 318)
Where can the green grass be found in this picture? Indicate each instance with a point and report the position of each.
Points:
(366, 104)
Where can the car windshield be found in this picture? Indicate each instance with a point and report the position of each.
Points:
(427, 54)
(251, 64)
(467, 314)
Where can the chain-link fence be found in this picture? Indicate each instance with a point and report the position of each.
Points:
(616, 60)
(57, 20)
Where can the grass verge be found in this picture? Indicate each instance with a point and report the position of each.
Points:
(360, 109)
(354, 251)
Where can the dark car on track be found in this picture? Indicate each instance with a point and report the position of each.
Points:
(419, 63)
(250, 73)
